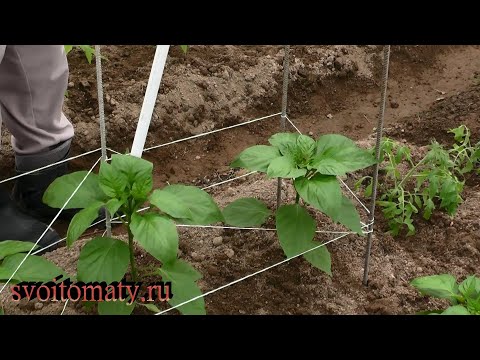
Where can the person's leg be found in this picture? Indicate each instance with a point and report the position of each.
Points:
(33, 81)
(2, 52)
(15, 225)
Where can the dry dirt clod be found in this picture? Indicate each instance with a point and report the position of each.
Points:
(470, 250)
(451, 231)
(38, 306)
(217, 241)
(394, 104)
(380, 306)
(329, 116)
(230, 253)
(197, 257)
(212, 270)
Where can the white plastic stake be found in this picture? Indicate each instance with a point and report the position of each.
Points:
(149, 101)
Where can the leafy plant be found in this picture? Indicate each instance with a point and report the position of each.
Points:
(34, 268)
(313, 166)
(184, 48)
(87, 50)
(434, 182)
(464, 297)
(122, 187)
(465, 155)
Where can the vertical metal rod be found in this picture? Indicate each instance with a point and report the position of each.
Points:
(103, 135)
(283, 117)
(379, 134)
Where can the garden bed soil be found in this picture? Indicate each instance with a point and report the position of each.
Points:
(431, 89)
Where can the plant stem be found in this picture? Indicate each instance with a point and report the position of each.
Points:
(409, 174)
(310, 173)
(390, 160)
(297, 198)
(459, 153)
(132, 258)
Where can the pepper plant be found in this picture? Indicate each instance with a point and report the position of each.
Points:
(464, 298)
(123, 187)
(313, 166)
(34, 268)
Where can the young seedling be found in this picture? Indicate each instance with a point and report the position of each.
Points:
(87, 50)
(465, 155)
(464, 297)
(123, 187)
(432, 182)
(313, 166)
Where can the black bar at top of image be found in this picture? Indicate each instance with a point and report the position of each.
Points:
(295, 24)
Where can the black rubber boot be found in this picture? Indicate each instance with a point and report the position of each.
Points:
(29, 189)
(15, 225)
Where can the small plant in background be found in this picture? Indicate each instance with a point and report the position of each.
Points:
(313, 167)
(464, 297)
(434, 182)
(87, 50)
(123, 187)
(465, 155)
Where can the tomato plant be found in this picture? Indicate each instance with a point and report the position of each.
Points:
(434, 182)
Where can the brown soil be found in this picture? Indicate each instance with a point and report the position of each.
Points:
(216, 86)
